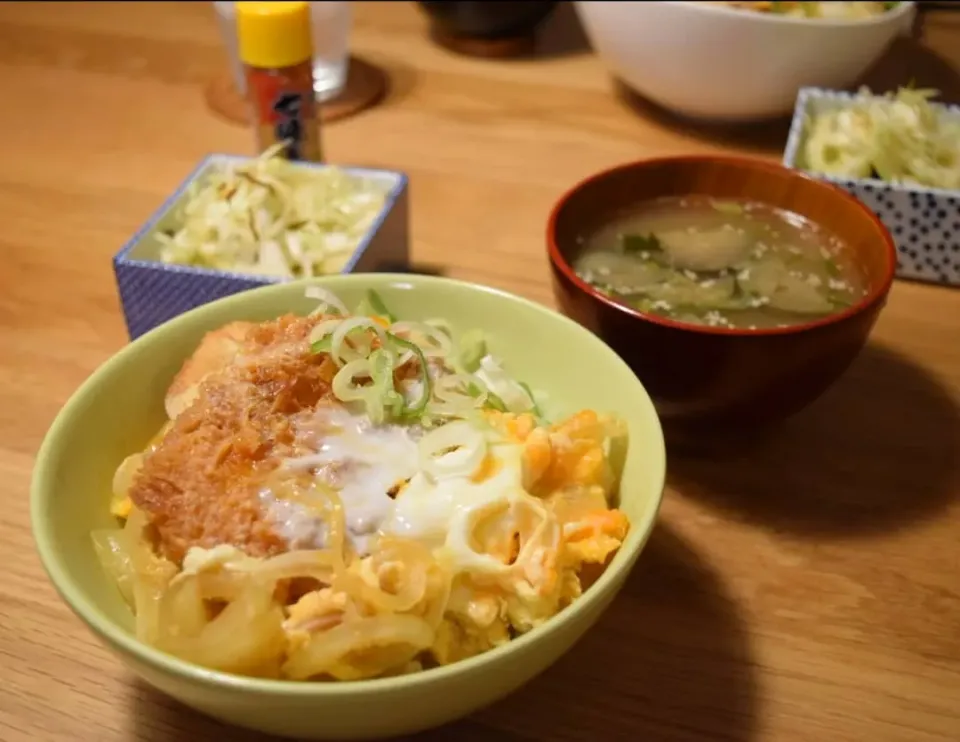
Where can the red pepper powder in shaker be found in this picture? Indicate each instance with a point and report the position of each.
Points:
(276, 48)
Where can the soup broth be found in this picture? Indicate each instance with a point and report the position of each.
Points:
(721, 263)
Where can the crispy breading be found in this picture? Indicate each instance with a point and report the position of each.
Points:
(215, 352)
(200, 486)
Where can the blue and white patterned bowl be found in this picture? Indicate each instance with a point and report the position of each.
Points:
(152, 292)
(924, 222)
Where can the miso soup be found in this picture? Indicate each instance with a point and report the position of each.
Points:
(721, 263)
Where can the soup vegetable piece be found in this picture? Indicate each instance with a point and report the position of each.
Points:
(832, 10)
(898, 137)
(351, 495)
(721, 263)
(271, 217)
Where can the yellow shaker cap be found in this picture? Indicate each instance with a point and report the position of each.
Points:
(274, 34)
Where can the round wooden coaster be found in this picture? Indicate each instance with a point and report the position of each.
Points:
(365, 86)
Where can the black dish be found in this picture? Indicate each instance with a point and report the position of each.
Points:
(489, 20)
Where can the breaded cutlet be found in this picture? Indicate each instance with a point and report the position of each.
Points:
(233, 403)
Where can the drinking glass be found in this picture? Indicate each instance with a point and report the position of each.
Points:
(330, 23)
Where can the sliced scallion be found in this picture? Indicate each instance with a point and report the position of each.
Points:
(473, 347)
(416, 408)
(373, 305)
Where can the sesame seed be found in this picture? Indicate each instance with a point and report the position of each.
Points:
(714, 319)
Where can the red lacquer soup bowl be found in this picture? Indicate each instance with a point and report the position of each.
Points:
(709, 383)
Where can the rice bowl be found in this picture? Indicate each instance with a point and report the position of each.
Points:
(120, 408)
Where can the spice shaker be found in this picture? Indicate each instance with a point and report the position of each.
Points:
(276, 48)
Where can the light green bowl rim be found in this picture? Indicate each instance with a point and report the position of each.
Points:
(102, 625)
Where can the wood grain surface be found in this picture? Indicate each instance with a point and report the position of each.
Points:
(809, 590)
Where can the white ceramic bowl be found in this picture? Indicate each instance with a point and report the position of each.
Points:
(712, 62)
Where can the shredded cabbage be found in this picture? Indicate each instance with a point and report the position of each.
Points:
(270, 217)
(412, 371)
(898, 137)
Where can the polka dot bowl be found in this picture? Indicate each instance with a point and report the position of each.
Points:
(152, 292)
(924, 222)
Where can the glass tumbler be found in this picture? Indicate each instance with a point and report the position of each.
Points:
(331, 51)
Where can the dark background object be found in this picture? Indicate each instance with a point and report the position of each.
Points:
(487, 28)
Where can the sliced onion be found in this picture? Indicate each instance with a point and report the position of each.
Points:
(327, 298)
(439, 343)
(454, 386)
(469, 444)
(448, 410)
(343, 383)
(340, 351)
(454, 398)
(440, 324)
(460, 542)
(329, 652)
(323, 329)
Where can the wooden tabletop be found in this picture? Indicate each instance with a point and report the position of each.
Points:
(809, 592)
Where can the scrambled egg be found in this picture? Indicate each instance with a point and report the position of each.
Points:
(120, 503)
(475, 621)
(566, 468)
(315, 611)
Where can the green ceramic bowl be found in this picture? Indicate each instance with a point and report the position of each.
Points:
(120, 407)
